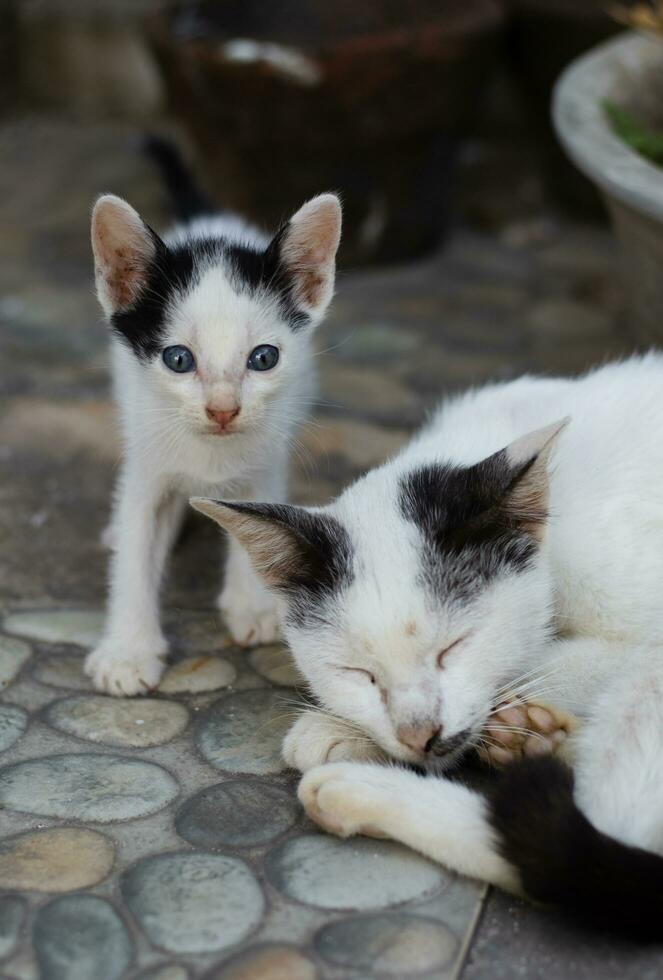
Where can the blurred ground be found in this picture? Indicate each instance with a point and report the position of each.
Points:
(520, 288)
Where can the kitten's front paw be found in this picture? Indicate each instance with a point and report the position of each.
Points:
(526, 728)
(316, 738)
(250, 616)
(116, 670)
(345, 798)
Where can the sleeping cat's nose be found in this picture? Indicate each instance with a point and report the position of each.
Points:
(418, 737)
(223, 418)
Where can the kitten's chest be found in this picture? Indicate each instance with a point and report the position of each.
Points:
(201, 468)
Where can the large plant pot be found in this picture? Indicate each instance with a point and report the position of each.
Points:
(629, 71)
(285, 100)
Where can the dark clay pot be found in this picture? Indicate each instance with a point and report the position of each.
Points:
(284, 100)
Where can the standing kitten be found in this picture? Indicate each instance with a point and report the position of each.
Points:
(213, 370)
(466, 568)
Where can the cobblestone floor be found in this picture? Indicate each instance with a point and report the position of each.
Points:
(161, 837)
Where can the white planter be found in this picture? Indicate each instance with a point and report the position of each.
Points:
(629, 71)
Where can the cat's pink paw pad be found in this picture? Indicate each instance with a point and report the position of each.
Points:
(520, 728)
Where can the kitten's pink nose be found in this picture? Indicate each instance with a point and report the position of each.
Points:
(418, 737)
(222, 417)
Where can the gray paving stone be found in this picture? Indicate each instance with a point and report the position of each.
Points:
(13, 722)
(356, 874)
(94, 787)
(271, 962)
(63, 670)
(243, 732)
(194, 903)
(61, 859)
(82, 627)
(195, 675)
(391, 944)
(237, 813)
(197, 632)
(13, 654)
(171, 972)
(517, 941)
(81, 937)
(137, 723)
(377, 343)
(13, 910)
(275, 663)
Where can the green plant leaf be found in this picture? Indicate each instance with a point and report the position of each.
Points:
(643, 139)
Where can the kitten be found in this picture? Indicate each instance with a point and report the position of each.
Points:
(211, 332)
(481, 561)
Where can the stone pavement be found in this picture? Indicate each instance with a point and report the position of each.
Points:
(161, 837)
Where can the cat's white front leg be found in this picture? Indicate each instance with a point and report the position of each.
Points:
(248, 608)
(444, 820)
(317, 737)
(131, 656)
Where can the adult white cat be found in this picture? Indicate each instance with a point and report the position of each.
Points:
(444, 578)
(213, 370)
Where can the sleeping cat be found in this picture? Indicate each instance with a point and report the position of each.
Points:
(213, 370)
(502, 552)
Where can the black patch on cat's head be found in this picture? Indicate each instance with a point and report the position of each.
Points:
(470, 535)
(175, 270)
(308, 561)
(324, 561)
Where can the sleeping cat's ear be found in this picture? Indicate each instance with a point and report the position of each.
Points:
(124, 248)
(526, 499)
(307, 248)
(289, 547)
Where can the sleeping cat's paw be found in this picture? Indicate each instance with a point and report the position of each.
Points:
(346, 798)
(316, 738)
(114, 669)
(250, 615)
(526, 728)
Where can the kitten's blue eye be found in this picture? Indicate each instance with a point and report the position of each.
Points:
(263, 358)
(179, 359)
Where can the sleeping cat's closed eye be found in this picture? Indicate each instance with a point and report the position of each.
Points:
(360, 671)
(448, 649)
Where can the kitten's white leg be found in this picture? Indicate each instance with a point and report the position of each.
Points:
(439, 818)
(248, 608)
(130, 658)
(317, 737)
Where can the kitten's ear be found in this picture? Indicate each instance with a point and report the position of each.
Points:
(526, 499)
(124, 247)
(287, 545)
(307, 250)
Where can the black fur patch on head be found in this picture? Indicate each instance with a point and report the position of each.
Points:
(469, 535)
(319, 564)
(176, 268)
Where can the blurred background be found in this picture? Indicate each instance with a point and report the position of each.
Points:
(406, 106)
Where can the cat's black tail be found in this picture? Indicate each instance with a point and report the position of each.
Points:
(187, 198)
(565, 861)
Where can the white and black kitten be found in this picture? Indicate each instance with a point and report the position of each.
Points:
(464, 571)
(213, 370)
